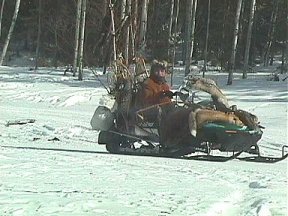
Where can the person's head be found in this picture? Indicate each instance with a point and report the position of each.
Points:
(158, 70)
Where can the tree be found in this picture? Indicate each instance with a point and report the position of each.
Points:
(82, 37)
(113, 32)
(77, 31)
(191, 19)
(234, 43)
(127, 32)
(152, 27)
(143, 26)
(14, 18)
(1, 16)
(172, 3)
(206, 40)
(271, 33)
(286, 41)
(174, 38)
(224, 26)
(39, 34)
(248, 38)
(187, 38)
(56, 56)
(170, 30)
(134, 26)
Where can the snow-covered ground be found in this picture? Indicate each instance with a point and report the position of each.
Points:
(54, 166)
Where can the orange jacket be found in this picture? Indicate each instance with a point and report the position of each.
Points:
(151, 93)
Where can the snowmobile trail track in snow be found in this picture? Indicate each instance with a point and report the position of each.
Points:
(196, 157)
(54, 149)
(208, 158)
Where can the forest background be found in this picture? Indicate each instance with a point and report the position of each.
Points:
(229, 34)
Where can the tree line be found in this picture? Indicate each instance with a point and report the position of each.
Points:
(229, 34)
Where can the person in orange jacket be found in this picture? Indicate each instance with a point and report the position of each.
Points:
(154, 90)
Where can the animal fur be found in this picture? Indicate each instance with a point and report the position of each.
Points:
(141, 72)
(179, 125)
(247, 118)
(210, 87)
(174, 127)
(122, 91)
(204, 116)
(200, 117)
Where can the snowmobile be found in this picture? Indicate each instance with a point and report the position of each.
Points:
(121, 135)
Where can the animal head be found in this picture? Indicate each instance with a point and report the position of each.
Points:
(254, 118)
(199, 83)
(234, 119)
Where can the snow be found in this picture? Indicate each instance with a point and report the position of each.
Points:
(54, 166)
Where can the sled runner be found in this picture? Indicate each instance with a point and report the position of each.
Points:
(183, 129)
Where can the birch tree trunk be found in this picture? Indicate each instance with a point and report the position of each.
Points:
(133, 28)
(77, 31)
(191, 18)
(127, 32)
(132, 41)
(284, 60)
(175, 17)
(122, 9)
(56, 56)
(82, 36)
(172, 3)
(248, 39)
(174, 40)
(223, 36)
(38, 34)
(14, 18)
(113, 31)
(234, 43)
(188, 22)
(286, 42)
(143, 26)
(271, 33)
(177, 5)
(206, 39)
(169, 35)
(1, 15)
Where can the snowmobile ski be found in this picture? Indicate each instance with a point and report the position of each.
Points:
(214, 158)
(266, 159)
